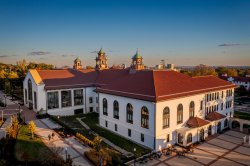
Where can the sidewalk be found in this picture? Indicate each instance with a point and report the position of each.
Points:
(74, 148)
(3, 128)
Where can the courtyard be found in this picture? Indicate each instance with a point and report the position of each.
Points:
(226, 149)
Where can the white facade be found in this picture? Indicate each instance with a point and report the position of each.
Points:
(122, 124)
(87, 106)
(156, 135)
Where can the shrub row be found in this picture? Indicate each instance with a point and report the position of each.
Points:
(84, 139)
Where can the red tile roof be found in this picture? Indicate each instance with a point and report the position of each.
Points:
(212, 116)
(150, 85)
(196, 122)
(162, 85)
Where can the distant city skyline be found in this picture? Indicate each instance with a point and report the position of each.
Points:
(185, 33)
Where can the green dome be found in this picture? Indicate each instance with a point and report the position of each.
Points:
(77, 60)
(101, 51)
(137, 55)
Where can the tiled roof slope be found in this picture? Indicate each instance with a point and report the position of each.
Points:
(150, 85)
(196, 122)
(162, 85)
(214, 116)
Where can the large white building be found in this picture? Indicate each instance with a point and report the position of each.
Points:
(151, 107)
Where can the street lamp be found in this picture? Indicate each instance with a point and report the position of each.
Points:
(66, 152)
(134, 155)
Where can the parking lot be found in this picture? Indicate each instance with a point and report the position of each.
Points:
(226, 149)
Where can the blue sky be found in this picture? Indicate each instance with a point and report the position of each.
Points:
(183, 32)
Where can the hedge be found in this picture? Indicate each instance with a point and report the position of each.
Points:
(84, 139)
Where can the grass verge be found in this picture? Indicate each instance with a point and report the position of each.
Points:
(27, 148)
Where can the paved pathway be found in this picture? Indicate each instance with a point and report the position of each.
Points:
(74, 148)
(3, 128)
(225, 149)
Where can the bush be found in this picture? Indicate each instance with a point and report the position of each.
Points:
(84, 139)
(95, 157)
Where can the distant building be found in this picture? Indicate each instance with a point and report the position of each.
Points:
(153, 108)
(239, 81)
(170, 66)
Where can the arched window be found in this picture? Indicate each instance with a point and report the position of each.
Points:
(105, 106)
(129, 113)
(29, 90)
(144, 117)
(179, 114)
(116, 109)
(225, 123)
(166, 117)
(180, 138)
(191, 109)
(189, 138)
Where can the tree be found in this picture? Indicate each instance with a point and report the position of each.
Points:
(32, 128)
(97, 143)
(203, 70)
(12, 129)
(22, 68)
(232, 72)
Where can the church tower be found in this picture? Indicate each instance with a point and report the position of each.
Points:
(101, 60)
(77, 64)
(137, 62)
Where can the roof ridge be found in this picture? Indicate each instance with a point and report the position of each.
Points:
(155, 91)
(203, 76)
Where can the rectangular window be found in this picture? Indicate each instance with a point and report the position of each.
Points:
(129, 132)
(66, 98)
(106, 123)
(115, 127)
(221, 106)
(35, 100)
(26, 101)
(53, 100)
(222, 94)
(201, 105)
(90, 100)
(90, 109)
(168, 138)
(142, 137)
(78, 97)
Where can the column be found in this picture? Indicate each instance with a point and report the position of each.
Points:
(241, 127)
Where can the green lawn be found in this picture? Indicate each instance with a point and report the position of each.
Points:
(92, 120)
(32, 147)
(242, 115)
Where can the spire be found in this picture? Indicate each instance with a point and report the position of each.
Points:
(101, 51)
(77, 60)
(137, 55)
